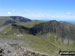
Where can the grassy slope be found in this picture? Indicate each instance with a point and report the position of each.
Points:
(60, 43)
(31, 24)
(40, 44)
(2, 20)
(35, 43)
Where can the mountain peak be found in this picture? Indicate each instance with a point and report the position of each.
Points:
(13, 19)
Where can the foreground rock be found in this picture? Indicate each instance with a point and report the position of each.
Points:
(16, 50)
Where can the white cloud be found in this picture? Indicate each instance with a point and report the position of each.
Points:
(9, 13)
(12, 11)
(50, 15)
(70, 13)
(40, 15)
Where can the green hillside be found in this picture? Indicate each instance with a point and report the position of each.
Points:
(32, 23)
(35, 43)
(47, 43)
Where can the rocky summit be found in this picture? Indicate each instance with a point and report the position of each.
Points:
(16, 50)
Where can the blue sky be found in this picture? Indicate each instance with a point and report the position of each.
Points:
(39, 9)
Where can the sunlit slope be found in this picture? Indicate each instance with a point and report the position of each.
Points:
(47, 43)
(2, 20)
(33, 42)
(32, 23)
(61, 43)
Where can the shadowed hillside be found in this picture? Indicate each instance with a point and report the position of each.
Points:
(62, 29)
(6, 20)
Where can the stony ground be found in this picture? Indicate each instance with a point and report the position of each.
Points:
(12, 48)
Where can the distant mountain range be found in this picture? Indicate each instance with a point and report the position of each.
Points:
(73, 22)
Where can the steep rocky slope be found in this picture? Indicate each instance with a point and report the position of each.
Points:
(62, 29)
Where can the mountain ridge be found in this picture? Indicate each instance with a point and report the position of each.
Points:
(62, 29)
(45, 37)
(5, 20)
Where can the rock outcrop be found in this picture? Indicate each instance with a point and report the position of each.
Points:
(62, 29)
(16, 50)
